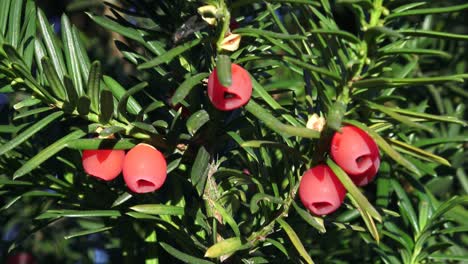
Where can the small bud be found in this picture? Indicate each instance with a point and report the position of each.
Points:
(208, 13)
(385, 11)
(231, 42)
(316, 123)
(16, 81)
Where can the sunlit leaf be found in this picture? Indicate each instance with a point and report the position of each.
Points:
(224, 247)
(158, 209)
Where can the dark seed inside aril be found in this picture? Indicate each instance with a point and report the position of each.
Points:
(363, 161)
(144, 183)
(229, 95)
(321, 205)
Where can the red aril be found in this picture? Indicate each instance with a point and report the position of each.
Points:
(105, 164)
(356, 153)
(144, 169)
(321, 191)
(234, 96)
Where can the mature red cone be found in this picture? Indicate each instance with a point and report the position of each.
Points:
(234, 96)
(321, 191)
(105, 164)
(356, 153)
(144, 169)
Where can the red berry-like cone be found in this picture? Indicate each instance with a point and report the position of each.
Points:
(144, 169)
(321, 191)
(234, 96)
(105, 164)
(356, 153)
(21, 258)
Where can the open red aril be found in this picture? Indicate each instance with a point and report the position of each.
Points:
(356, 153)
(144, 169)
(321, 191)
(234, 96)
(105, 164)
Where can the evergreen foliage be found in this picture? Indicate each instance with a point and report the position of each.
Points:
(138, 71)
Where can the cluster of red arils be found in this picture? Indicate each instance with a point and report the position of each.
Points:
(144, 168)
(352, 149)
(357, 154)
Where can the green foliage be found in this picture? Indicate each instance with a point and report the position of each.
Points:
(396, 69)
